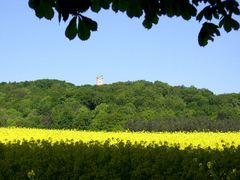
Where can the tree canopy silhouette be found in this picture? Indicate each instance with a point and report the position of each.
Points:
(214, 14)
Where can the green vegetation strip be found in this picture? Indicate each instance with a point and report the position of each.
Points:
(94, 160)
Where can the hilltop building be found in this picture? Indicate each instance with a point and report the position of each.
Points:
(99, 80)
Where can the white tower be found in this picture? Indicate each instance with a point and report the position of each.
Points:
(99, 80)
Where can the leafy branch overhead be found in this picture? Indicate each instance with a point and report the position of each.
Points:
(214, 14)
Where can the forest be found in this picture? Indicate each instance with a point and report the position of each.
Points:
(133, 106)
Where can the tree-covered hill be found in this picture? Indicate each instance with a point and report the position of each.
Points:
(139, 105)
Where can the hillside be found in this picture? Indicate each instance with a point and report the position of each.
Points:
(139, 105)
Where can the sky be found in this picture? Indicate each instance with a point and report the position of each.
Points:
(121, 50)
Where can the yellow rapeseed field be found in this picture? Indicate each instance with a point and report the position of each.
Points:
(183, 139)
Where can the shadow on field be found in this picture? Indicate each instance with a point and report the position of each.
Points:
(95, 160)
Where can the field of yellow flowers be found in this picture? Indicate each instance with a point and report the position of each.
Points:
(213, 140)
(70, 154)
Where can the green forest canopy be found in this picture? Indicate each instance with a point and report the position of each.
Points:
(214, 14)
(139, 105)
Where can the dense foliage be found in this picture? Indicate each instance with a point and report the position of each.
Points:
(94, 160)
(138, 105)
(215, 14)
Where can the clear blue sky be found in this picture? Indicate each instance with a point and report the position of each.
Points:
(121, 50)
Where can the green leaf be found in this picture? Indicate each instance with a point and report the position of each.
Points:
(236, 11)
(216, 15)
(200, 16)
(123, 4)
(234, 24)
(130, 12)
(147, 24)
(83, 30)
(38, 7)
(186, 15)
(213, 29)
(59, 17)
(79, 6)
(227, 25)
(39, 13)
(65, 16)
(63, 12)
(95, 6)
(115, 6)
(207, 32)
(105, 4)
(43, 8)
(92, 25)
(206, 12)
(33, 4)
(48, 11)
(155, 19)
(192, 10)
(203, 37)
(169, 10)
(71, 30)
(186, 11)
(226, 22)
(221, 22)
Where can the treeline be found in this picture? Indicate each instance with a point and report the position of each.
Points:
(139, 105)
